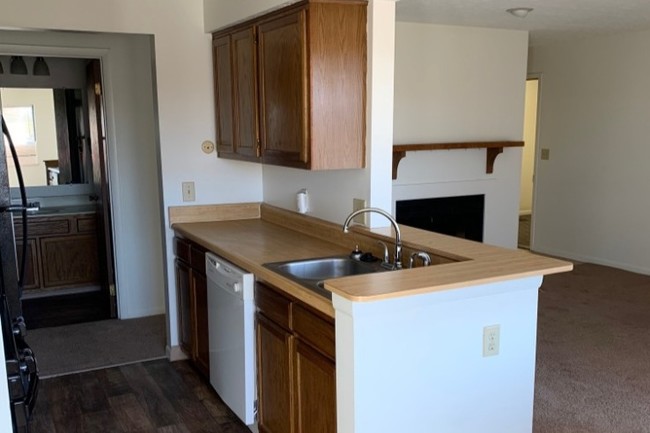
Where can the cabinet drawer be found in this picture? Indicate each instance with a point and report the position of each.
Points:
(273, 305)
(182, 249)
(315, 330)
(45, 227)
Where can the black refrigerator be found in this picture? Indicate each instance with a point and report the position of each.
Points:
(22, 372)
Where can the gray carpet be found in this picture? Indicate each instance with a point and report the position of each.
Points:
(593, 352)
(89, 346)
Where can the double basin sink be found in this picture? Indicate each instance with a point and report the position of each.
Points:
(312, 273)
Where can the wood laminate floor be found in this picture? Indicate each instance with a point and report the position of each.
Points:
(150, 397)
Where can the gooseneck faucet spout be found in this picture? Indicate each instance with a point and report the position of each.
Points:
(397, 259)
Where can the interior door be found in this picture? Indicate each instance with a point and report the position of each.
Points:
(100, 181)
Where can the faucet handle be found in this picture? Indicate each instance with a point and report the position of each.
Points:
(426, 258)
(386, 253)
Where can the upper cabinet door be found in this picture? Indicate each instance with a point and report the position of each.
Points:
(283, 90)
(337, 84)
(221, 56)
(245, 93)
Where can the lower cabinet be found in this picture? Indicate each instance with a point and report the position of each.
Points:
(192, 300)
(296, 366)
(202, 345)
(184, 301)
(61, 252)
(274, 373)
(315, 377)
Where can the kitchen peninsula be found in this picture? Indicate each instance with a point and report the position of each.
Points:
(410, 345)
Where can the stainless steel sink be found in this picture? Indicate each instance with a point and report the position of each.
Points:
(312, 272)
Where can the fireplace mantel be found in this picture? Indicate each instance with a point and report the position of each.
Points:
(494, 148)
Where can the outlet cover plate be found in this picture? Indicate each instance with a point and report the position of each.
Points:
(358, 203)
(491, 337)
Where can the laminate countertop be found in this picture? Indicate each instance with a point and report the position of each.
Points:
(271, 234)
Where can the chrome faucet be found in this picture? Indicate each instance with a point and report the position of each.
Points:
(426, 258)
(397, 259)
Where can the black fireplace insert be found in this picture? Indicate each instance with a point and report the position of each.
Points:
(460, 216)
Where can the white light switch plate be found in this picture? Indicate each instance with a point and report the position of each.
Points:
(546, 154)
(188, 191)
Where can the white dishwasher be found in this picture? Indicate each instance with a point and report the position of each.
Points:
(231, 319)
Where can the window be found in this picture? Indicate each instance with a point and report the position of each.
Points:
(20, 122)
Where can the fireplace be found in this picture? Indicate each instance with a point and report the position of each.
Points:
(460, 216)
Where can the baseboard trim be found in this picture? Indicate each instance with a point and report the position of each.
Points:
(590, 259)
(175, 353)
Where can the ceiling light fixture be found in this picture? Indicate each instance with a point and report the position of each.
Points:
(40, 67)
(519, 12)
(18, 66)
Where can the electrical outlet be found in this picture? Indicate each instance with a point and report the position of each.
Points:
(188, 191)
(546, 154)
(358, 203)
(491, 339)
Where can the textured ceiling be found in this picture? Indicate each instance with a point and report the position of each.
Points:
(550, 21)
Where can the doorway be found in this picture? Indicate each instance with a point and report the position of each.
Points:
(526, 199)
(58, 122)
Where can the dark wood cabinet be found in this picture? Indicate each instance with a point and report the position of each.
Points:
(221, 55)
(202, 345)
(283, 95)
(303, 84)
(62, 252)
(192, 301)
(32, 279)
(69, 260)
(184, 301)
(235, 86)
(247, 139)
(296, 366)
(315, 390)
(275, 378)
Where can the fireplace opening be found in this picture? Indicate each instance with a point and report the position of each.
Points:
(460, 216)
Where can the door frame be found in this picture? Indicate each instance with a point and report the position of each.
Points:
(538, 149)
(103, 55)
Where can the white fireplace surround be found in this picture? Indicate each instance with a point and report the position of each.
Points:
(436, 174)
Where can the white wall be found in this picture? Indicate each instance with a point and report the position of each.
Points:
(183, 119)
(42, 100)
(222, 13)
(455, 84)
(591, 202)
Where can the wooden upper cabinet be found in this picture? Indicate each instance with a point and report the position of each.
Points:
(337, 84)
(308, 92)
(222, 62)
(245, 93)
(283, 93)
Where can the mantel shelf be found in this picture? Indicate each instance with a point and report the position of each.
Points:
(494, 148)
